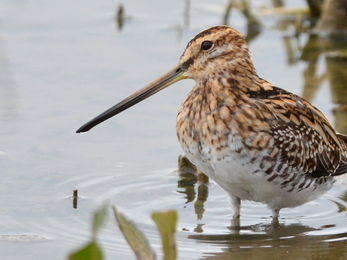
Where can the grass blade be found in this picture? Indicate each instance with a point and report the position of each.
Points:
(166, 223)
(91, 251)
(136, 239)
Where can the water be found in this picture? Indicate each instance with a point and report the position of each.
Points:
(63, 63)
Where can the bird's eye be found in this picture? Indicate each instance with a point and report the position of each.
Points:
(206, 45)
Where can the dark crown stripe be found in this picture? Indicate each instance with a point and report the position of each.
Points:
(206, 32)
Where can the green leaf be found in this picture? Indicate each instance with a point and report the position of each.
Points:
(136, 239)
(98, 220)
(166, 223)
(91, 251)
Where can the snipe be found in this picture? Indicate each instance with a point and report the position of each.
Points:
(257, 141)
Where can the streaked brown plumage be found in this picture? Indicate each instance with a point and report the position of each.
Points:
(257, 141)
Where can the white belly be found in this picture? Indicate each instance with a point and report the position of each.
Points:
(245, 180)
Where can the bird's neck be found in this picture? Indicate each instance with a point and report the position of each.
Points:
(237, 79)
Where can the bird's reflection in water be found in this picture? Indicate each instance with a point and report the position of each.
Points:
(257, 232)
(189, 176)
(287, 242)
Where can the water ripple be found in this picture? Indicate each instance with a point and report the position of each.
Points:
(205, 229)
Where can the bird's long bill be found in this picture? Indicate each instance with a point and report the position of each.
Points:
(164, 81)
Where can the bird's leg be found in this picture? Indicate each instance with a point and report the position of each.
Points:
(235, 209)
(275, 213)
(235, 226)
(235, 205)
(275, 224)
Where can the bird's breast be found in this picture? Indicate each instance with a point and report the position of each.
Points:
(211, 129)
